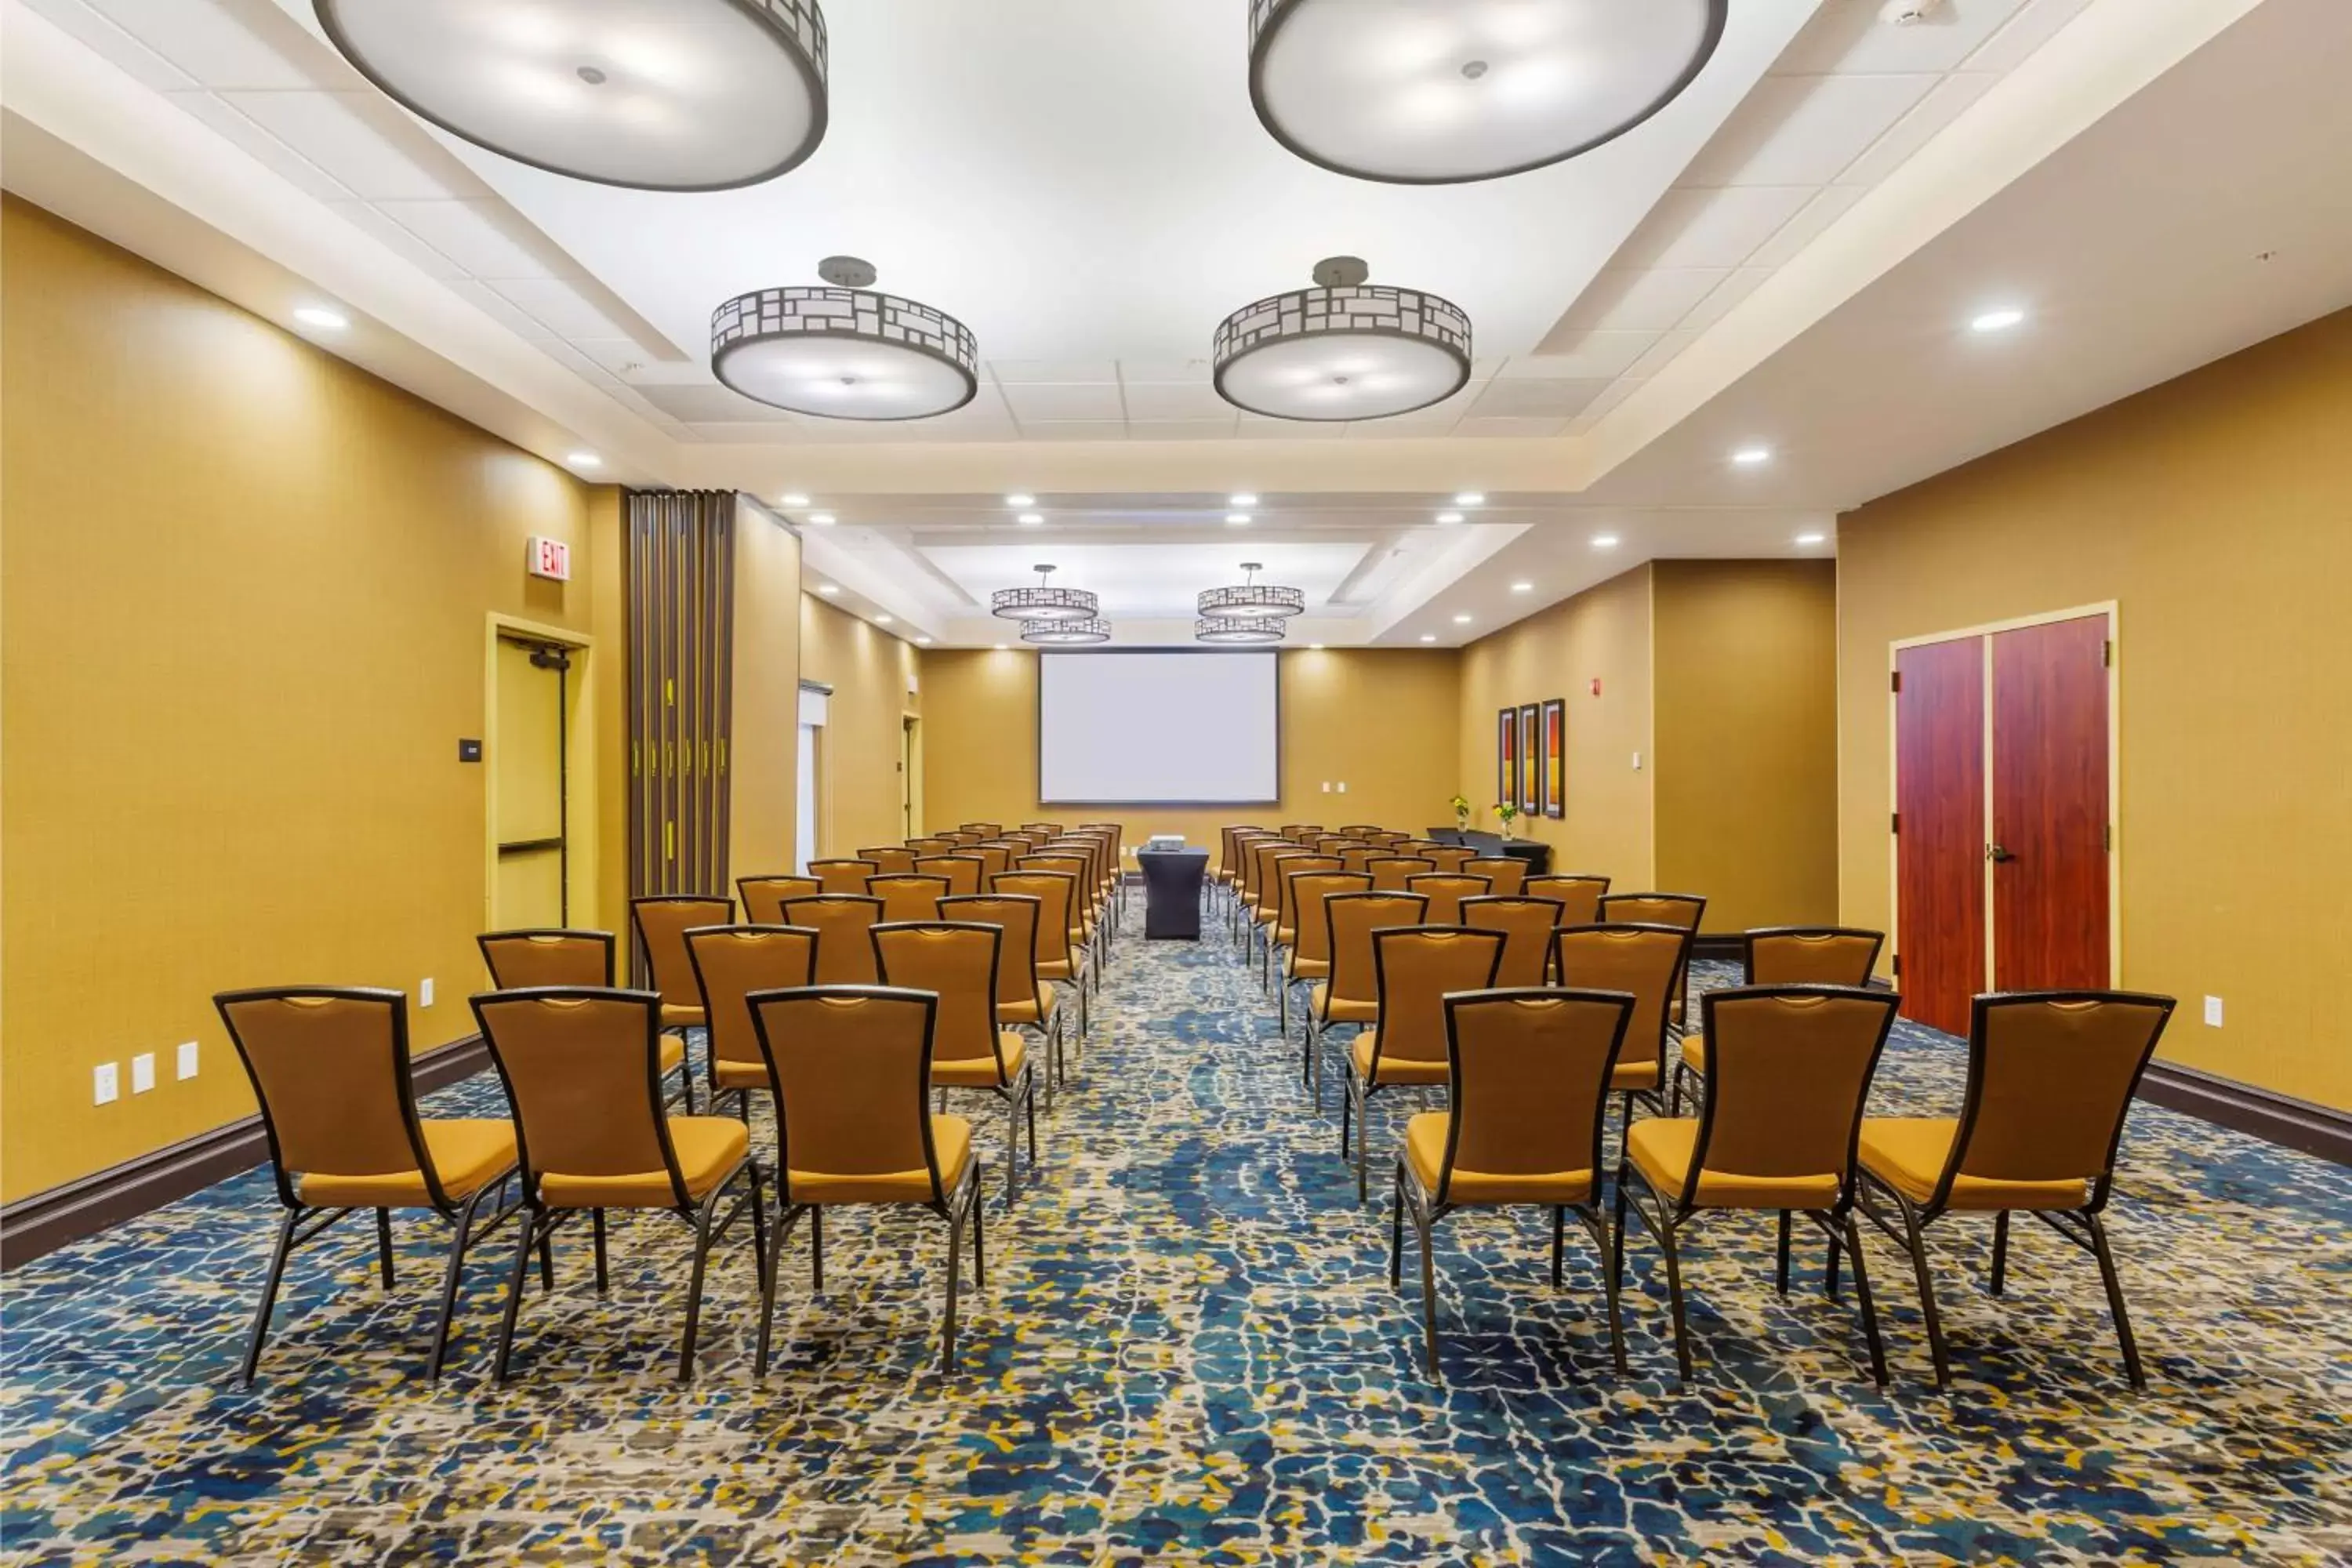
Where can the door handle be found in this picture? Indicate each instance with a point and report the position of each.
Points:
(1996, 853)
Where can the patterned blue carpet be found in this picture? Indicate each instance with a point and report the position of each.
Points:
(1188, 1353)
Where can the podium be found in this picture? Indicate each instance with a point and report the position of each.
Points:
(1171, 892)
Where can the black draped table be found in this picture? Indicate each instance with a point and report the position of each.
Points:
(1172, 891)
(1537, 856)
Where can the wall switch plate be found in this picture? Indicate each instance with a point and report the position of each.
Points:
(142, 1072)
(1343, 787)
(1637, 761)
(1326, 786)
(2212, 1012)
(105, 1084)
(187, 1059)
(425, 992)
(469, 751)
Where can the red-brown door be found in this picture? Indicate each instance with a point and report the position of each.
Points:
(2049, 833)
(1939, 829)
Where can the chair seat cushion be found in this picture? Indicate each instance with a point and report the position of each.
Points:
(1394, 1070)
(709, 1149)
(1695, 1053)
(1660, 1147)
(467, 1154)
(673, 1051)
(1424, 1151)
(729, 1074)
(951, 1146)
(1308, 968)
(1056, 969)
(1908, 1154)
(1342, 1010)
(677, 1015)
(1032, 1012)
(980, 1072)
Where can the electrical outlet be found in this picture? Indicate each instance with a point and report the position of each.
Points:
(142, 1072)
(187, 1059)
(1637, 761)
(2212, 1012)
(105, 1084)
(425, 992)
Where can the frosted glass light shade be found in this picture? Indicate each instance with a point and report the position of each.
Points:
(844, 353)
(1360, 353)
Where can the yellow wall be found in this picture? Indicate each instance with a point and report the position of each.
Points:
(2216, 510)
(858, 798)
(1746, 736)
(244, 599)
(1602, 632)
(1375, 719)
(762, 781)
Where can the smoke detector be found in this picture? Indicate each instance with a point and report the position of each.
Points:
(1909, 13)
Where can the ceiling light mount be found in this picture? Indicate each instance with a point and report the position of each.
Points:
(1251, 600)
(1342, 349)
(1044, 603)
(844, 351)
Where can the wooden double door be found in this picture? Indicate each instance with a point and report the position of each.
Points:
(2003, 822)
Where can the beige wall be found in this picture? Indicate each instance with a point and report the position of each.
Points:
(1745, 738)
(244, 592)
(858, 797)
(1374, 718)
(762, 779)
(2216, 510)
(1604, 633)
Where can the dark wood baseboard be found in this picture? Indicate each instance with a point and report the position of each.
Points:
(47, 1221)
(2259, 1112)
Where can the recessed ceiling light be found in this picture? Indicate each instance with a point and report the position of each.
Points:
(923, 642)
(318, 316)
(1429, 637)
(584, 460)
(1748, 456)
(884, 620)
(1237, 519)
(822, 519)
(1316, 645)
(1001, 646)
(1812, 538)
(1461, 620)
(1997, 321)
(1523, 587)
(1030, 519)
(1018, 501)
(828, 589)
(791, 498)
(1449, 517)
(1471, 498)
(1244, 499)
(1604, 542)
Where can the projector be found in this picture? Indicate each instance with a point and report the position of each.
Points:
(1166, 841)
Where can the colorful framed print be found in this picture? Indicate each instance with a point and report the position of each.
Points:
(1506, 756)
(1555, 757)
(1531, 747)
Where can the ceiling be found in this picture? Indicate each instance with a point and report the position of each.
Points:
(1786, 258)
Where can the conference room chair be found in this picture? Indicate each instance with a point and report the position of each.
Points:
(1295, 830)
(517, 959)
(1361, 855)
(1527, 1076)
(1445, 892)
(330, 1069)
(1051, 829)
(1361, 829)
(996, 855)
(908, 898)
(1058, 958)
(851, 1071)
(844, 951)
(1025, 999)
(1221, 875)
(1680, 909)
(888, 859)
(661, 923)
(1093, 885)
(1351, 994)
(1508, 872)
(2051, 1076)
(1079, 870)
(579, 1067)
(1578, 896)
(1526, 925)
(1284, 933)
(764, 897)
(1420, 846)
(1309, 958)
(1784, 955)
(958, 837)
(729, 963)
(982, 829)
(1644, 961)
(841, 876)
(1389, 837)
(1239, 895)
(930, 845)
(1391, 872)
(1114, 837)
(971, 1046)
(1448, 856)
(961, 871)
(1265, 890)
(1776, 1132)
(1415, 969)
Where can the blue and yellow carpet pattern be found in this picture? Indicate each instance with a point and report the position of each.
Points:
(1188, 1353)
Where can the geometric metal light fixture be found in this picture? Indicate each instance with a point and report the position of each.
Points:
(1429, 93)
(843, 351)
(1342, 349)
(1060, 633)
(1226, 629)
(656, 95)
(1044, 603)
(1251, 600)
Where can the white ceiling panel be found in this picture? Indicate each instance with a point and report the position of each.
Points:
(1829, 204)
(271, 152)
(78, 18)
(1162, 400)
(224, 47)
(1580, 355)
(1652, 300)
(1497, 428)
(482, 236)
(1215, 430)
(1907, 135)
(1507, 398)
(401, 240)
(1723, 297)
(1848, 35)
(565, 310)
(1166, 373)
(1804, 130)
(711, 406)
(1074, 429)
(339, 133)
(2035, 24)
(1045, 400)
(1717, 227)
(1012, 372)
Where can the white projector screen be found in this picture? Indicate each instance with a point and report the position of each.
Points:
(1158, 729)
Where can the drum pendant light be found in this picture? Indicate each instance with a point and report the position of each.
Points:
(1058, 633)
(1225, 629)
(1044, 603)
(1342, 349)
(843, 351)
(1251, 600)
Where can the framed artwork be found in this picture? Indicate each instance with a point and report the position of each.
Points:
(1555, 757)
(1506, 756)
(1531, 760)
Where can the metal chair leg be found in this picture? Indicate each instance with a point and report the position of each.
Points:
(260, 1330)
(1396, 1231)
(694, 1280)
(816, 1251)
(956, 1215)
(449, 1278)
(1999, 1251)
(979, 1234)
(514, 1293)
(383, 1244)
(603, 1273)
(1917, 1243)
(2114, 1283)
(1609, 1291)
(1675, 1299)
(1428, 1291)
(1782, 1280)
(1869, 1309)
(1559, 1244)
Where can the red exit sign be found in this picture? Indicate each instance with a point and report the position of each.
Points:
(550, 558)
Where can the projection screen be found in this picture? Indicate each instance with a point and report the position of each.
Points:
(1158, 729)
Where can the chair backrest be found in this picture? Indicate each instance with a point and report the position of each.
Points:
(1388, 837)
(984, 829)
(1051, 829)
(959, 837)
(1682, 910)
(1391, 872)
(1508, 872)
(1362, 854)
(961, 871)
(1285, 884)
(1292, 830)
(908, 898)
(1073, 866)
(582, 1067)
(851, 1067)
(1811, 955)
(957, 963)
(1349, 920)
(519, 958)
(1307, 892)
(1053, 890)
(841, 876)
(1445, 892)
(1417, 968)
(1530, 1080)
(1360, 829)
(1578, 896)
(2051, 1076)
(1449, 856)
(1418, 846)
(330, 1067)
(662, 923)
(890, 859)
(930, 845)
(733, 962)
(1788, 1067)
(1526, 925)
(1229, 848)
(1015, 914)
(1643, 959)
(845, 954)
(1265, 881)
(996, 855)
(764, 897)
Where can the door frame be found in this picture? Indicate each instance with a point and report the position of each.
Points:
(910, 756)
(2110, 610)
(580, 879)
